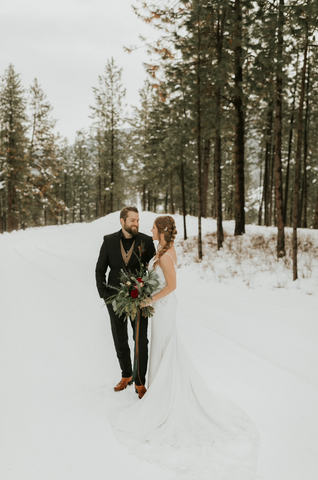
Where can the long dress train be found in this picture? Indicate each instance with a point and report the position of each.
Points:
(180, 423)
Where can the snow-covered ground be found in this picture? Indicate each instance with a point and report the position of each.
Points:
(253, 342)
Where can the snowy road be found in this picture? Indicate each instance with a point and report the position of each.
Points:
(58, 366)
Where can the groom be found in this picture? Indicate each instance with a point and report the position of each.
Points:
(118, 251)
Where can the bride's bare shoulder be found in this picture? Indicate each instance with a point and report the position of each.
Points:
(169, 257)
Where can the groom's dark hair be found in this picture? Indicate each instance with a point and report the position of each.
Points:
(126, 210)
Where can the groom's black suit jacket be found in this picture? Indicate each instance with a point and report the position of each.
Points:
(110, 257)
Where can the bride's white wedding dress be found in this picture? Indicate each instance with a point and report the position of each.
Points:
(180, 423)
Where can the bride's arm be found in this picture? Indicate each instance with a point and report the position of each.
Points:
(169, 271)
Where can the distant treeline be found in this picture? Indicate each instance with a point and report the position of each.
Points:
(44, 180)
(226, 126)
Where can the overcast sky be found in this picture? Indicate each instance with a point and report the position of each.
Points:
(65, 44)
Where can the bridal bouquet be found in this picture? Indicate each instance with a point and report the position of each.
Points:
(134, 289)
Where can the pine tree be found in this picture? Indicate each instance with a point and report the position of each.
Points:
(239, 148)
(82, 173)
(298, 155)
(43, 161)
(63, 180)
(109, 138)
(221, 18)
(13, 143)
(278, 135)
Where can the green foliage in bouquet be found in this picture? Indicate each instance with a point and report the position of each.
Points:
(134, 289)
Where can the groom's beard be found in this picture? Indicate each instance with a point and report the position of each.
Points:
(131, 230)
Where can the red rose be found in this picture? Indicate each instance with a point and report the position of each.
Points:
(139, 280)
(134, 293)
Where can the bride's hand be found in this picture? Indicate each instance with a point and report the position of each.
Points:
(146, 303)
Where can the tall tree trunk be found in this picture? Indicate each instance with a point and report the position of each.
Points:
(278, 139)
(271, 185)
(105, 196)
(81, 209)
(64, 197)
(315, 222)
(199, 181)
(99, 196)
(149, 201)
(268, 150)
(260, 210)
(218, 145)
(10, 203)
(291, 213)
(232, 199)
(171, 196)
(11, 179)
(99, 212)
(205, 179)
(1, 215)
(184, 212)
(304, 196)
(290, 143)
(217, 176)
(144, 197)
(298, 160)
(214, 195)
(239, 143)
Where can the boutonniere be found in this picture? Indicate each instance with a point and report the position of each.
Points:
(141, 249)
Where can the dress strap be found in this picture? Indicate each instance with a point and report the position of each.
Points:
(172, 258)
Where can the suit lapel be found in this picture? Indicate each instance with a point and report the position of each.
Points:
(135, 251)
(116, 245)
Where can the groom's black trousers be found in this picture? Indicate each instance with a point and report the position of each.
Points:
(120, 335)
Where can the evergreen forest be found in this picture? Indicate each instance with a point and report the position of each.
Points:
(226, 126)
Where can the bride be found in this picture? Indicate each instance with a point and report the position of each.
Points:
(179, 422)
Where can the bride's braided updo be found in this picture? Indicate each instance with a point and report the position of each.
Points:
(166, 226)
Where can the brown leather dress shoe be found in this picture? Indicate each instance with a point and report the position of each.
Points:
(141, 390)
(123, 384)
